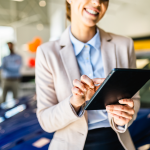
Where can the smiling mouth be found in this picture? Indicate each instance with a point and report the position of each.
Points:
(91, 12)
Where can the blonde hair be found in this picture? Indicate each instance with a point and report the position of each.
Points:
(68, 11)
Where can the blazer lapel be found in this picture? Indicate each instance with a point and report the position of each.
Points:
(68, 57)
(108, 52)
(69, 60)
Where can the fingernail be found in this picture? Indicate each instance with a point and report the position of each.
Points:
(92, 87)
(108, 108)
(82, 93)
(85, 89)
(84, 76)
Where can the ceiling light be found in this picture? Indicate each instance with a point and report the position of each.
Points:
(42, 3)
(18, 0)
(40, 27)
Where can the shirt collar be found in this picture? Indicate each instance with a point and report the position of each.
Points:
(95, 41)
(78, 45)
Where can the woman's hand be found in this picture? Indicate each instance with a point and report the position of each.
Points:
(83, 91)
(122, 114)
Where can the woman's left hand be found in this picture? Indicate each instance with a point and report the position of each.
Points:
(122, 114)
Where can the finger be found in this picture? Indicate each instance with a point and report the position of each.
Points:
(120, 108)
(98, 80)
(129, 102)
(85, 79)
(121, 113)
(122, 119)
(77, 91)
(79, 85)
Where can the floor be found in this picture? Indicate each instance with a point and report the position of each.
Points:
(24, 90)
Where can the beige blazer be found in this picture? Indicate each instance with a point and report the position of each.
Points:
(56, 68)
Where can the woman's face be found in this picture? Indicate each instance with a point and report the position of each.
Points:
(88, 12)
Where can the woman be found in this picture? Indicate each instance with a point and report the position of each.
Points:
(66, 73)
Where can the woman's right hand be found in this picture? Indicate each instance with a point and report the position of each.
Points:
(83, 90)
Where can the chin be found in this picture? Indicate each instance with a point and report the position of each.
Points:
(89, 22)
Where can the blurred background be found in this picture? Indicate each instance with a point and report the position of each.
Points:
(29, 23)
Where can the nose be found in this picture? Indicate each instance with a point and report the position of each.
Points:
(96, 2)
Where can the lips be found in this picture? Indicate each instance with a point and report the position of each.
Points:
(94, 12)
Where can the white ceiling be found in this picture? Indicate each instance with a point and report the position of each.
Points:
(14, 13)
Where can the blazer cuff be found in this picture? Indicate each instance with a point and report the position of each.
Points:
(120, 129)
(80, 112)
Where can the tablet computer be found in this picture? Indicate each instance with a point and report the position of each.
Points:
(119, 84)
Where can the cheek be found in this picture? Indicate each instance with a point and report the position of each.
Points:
(103, 11)
(77, 7)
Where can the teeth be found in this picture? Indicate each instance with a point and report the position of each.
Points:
(92, 11)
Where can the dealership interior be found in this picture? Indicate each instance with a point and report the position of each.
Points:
(28, 24)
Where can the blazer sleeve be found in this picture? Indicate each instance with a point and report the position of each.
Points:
(52, 115)
(136, 97)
